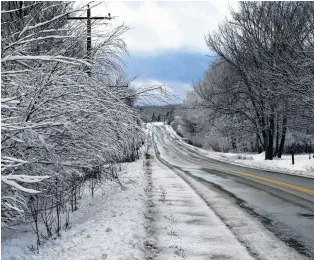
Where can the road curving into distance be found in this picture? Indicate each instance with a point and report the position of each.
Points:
(284, 203)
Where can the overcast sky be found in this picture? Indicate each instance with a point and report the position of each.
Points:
(166, 43)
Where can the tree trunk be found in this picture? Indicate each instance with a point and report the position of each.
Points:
(283, 136)
(271, 132)
(259, 147)
(265, 137)
(266, 140)
(233, 141)
(277, 138)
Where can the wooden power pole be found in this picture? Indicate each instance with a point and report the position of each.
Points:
(89, 19)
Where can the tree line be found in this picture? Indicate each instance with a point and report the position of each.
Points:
(258, 94)
(64, 127)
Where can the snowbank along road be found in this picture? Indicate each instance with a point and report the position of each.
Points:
(270, 214)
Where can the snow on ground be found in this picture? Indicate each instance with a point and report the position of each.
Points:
(184, 226)
(108, 226)
(303, 165)
(157, 123)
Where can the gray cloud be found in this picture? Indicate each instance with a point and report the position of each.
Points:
(167, 25)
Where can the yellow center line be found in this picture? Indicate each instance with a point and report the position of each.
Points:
(294, 187)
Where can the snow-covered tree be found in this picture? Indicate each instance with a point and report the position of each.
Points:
(261, 80)
(61, 125)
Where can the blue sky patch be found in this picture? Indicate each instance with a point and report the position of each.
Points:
(179, 66)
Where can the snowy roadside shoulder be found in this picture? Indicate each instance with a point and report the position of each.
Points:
(303, 165)
(180, 224)
(108, 226)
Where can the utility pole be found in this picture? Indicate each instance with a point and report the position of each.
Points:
(89, 19)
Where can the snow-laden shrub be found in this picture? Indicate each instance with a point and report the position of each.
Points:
(62, 122)
(178, 125)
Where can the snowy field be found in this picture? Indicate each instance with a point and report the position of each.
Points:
(108, 226)
(303, 165)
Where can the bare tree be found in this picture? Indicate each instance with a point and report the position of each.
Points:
(260, 82)
(254, 42)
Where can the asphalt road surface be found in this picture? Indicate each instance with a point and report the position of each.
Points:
(283, 203)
